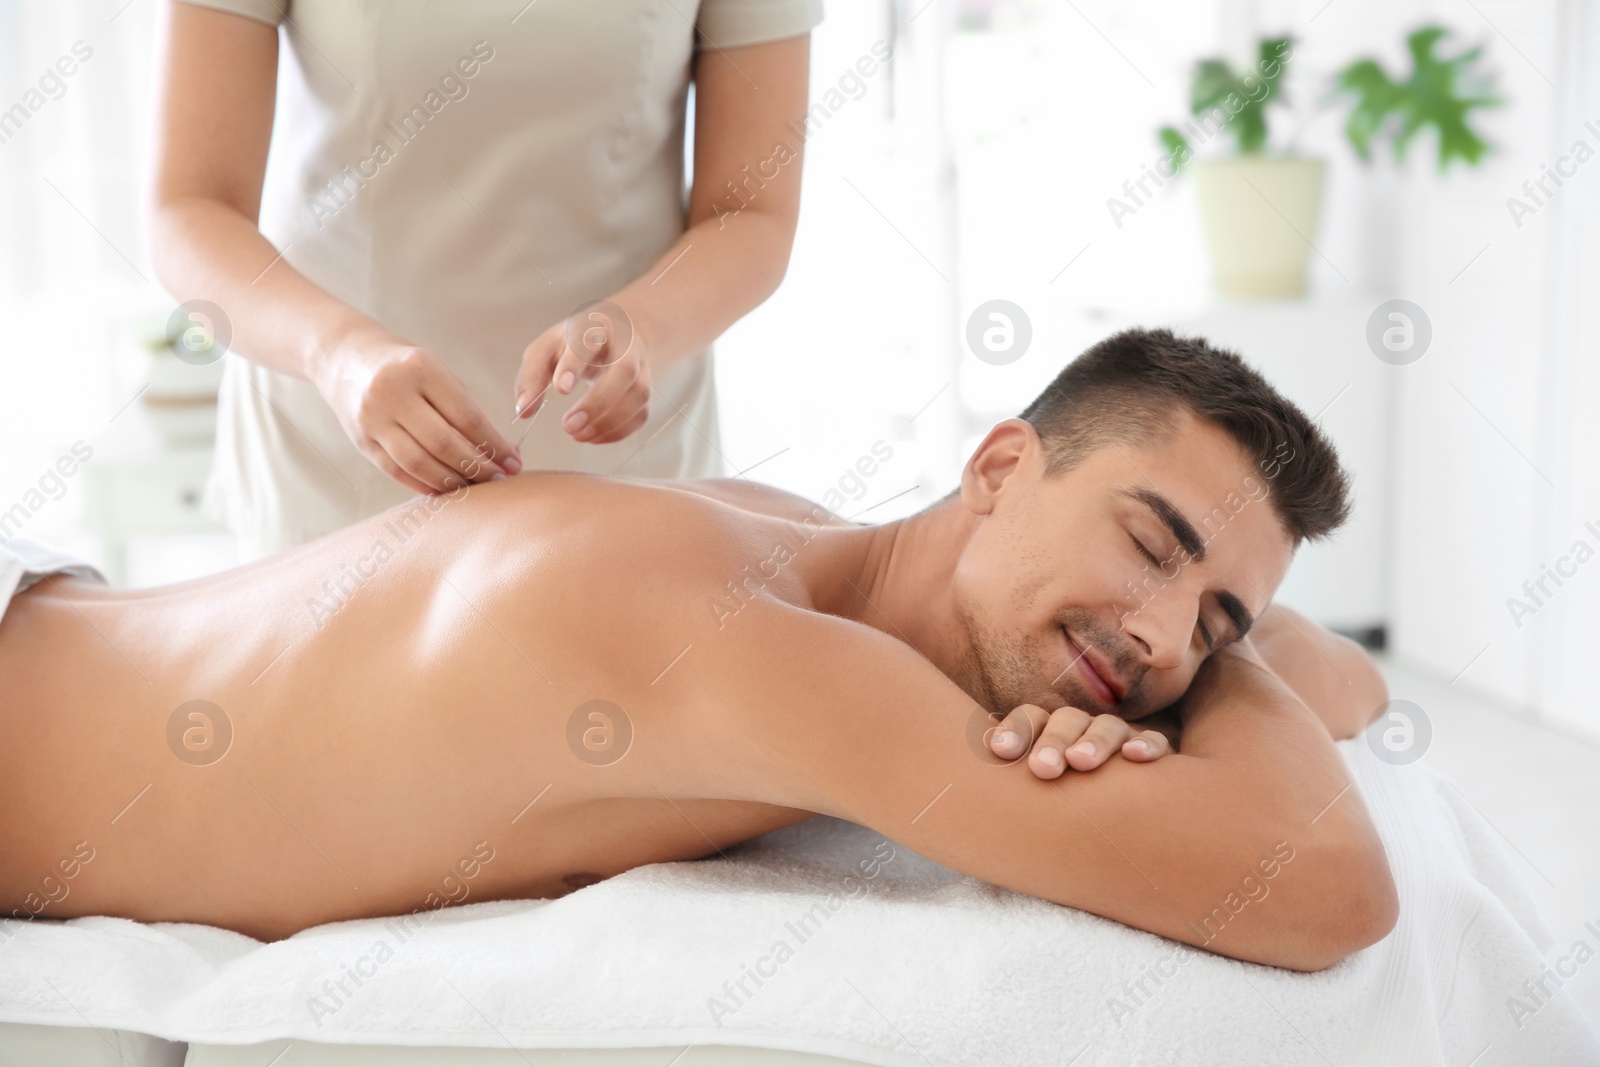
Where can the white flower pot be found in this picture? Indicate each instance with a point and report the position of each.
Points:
(1259, 215)
(181, 399)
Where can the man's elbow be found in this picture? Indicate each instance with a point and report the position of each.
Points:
(1357, 907)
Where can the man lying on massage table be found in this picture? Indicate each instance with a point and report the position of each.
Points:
(577, 675)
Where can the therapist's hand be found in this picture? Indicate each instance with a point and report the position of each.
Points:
(598, 344)
(411, 416)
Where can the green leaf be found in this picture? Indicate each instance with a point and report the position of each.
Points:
(1242, 96)
(1176, 145)
(1269, 57)
(1429, 97)
(1213, 81)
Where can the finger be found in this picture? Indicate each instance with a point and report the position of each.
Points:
(626, 430)
(591, 339)
(571, 368)
(444, 443)
(535, 373)
(484, 444)
(1146, 746)
(1015, 735)
(607, 426)
(1066, 725)
(382, 460)
(416, 461)
(612, 401)
(1103, 736)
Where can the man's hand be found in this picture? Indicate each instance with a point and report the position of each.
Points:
(1071, 737)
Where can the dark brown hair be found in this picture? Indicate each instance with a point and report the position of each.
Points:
(1125, 389)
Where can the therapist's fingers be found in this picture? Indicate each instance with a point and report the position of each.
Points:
(444, 443)
(614, 401)
(549, 365)
(615, 431)
(465, 438)
(417, 461)
(384, 462)
(534, 376)
(572, 367)
(625, 430)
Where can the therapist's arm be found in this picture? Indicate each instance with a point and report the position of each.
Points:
(731, 256)
(399, 404)
(1249, 842)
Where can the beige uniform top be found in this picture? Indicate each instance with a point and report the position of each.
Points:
(468, 173)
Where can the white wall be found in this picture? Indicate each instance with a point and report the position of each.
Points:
(1566, 634)
(1495, 461)
(73, 275)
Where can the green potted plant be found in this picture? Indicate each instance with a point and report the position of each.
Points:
(1259, 208)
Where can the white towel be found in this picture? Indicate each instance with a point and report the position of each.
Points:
(24, 564)
(907, 963)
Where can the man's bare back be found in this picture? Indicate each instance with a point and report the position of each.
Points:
(396, 694)
(551, 679)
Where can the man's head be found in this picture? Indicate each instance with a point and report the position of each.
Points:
(1138, 515)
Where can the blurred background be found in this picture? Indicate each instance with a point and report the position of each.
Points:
(1006, 153)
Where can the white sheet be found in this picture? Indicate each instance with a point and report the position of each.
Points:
(24, 564)
(917, 965)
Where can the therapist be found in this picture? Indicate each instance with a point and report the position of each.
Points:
(452, 186)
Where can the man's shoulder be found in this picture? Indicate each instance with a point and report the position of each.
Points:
(713, 543)
(760, 498)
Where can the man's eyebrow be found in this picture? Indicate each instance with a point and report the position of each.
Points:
(1242, 619)
(1181, 527)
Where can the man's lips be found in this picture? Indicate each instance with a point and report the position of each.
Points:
(1093, 670)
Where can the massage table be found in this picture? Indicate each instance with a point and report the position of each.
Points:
(913, 965)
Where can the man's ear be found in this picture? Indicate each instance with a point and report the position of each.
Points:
(1008, 447)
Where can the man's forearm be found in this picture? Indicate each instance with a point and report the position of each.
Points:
(1161, 846)
(278, 317)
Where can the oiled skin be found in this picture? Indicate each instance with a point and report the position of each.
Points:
(377, 746)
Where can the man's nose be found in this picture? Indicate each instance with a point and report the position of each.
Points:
(1163, 626)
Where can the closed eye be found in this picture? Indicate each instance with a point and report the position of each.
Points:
(1145, 551)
